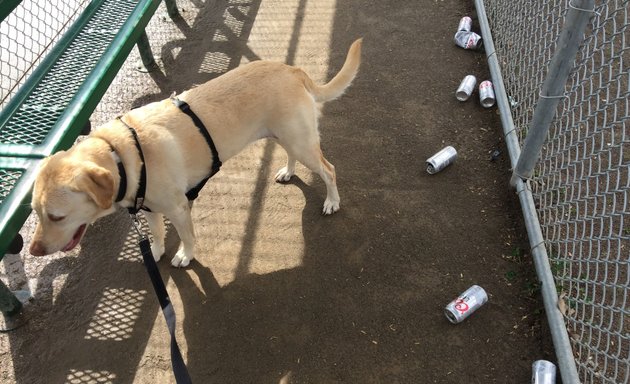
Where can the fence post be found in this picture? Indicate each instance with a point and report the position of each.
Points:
(552, 92)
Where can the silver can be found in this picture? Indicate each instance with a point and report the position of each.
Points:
(543, 372)
(467, 303)
(441, 160)
(467, 40)
(465, 24)
(466, 88)
(486, 94)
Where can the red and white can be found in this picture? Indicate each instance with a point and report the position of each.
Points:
(467, 40)
(486, 94)
(467, 303)
(465, 24)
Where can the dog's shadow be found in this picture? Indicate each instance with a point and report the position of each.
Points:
(256, 328)
(250, 329)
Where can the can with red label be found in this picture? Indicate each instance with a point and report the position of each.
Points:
(467, 303)
(486, 94)
(465, 24)
(467, 40)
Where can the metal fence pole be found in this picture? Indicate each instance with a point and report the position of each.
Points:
(557, 326)
(555, 319)
(572, 34)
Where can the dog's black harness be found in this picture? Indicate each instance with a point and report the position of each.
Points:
(216, 162)
(193, 193)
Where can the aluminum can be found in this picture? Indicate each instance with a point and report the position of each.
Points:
(465, 24)
(467, 40)
(441, 160)
(467, 303)
(466, 88)
(543, 372)
(486, 94)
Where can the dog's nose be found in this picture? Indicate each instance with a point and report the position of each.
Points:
(37, 249)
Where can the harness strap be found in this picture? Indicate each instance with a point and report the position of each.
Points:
(142, 184)
(193, 193)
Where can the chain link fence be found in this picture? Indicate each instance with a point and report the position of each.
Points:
(581, 182)
(28, 34)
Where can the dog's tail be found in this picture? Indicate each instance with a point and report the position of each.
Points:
(337, 86)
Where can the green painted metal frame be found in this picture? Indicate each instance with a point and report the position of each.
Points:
(16, 206)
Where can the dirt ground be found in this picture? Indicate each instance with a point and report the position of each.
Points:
(278, 292)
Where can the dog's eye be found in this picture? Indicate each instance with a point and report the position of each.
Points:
(55, 218)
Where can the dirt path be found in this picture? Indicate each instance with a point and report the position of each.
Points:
(278, 291)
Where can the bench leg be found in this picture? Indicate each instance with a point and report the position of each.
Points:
(171, 8)
(12, 311)
(9, 304)
(145, 52)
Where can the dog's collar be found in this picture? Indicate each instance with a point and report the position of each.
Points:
(142, 182)
(122, 185)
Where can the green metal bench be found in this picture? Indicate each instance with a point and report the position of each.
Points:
(54, 104)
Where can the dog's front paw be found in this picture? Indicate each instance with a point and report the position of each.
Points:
(330, 207)
(157, 251)
(284, 175)
(181, 260)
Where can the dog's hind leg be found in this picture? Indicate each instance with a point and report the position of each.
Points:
(156, 225)
(314, 159)
(327, 172)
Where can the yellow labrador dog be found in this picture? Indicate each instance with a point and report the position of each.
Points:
(259, 100)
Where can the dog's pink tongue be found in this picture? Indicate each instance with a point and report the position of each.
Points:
(75, 239)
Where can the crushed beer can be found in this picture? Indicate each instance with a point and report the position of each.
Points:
(466, 88)
(543, 372)
(465, 24)
(467, 303)
(486, 94)
(468, 40)
(441, 160)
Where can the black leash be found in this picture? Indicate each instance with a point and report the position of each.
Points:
(179, 367)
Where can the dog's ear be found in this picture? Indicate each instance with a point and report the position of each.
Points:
(98, 183)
